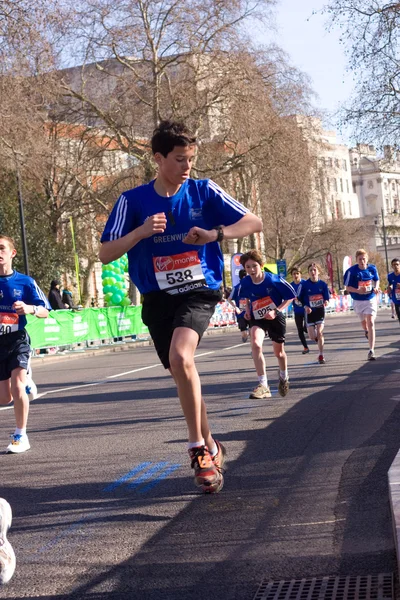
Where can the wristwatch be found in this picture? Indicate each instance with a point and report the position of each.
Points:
(220, 231)
(35, 310)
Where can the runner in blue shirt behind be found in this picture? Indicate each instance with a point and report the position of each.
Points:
(267, 296)
(170, 229)
(394, 286)
(240, 305)
(314, 295)
(298, 309)
(19, 296)
(362, 281)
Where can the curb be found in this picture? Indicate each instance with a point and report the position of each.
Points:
(118, 347)
(394, 498)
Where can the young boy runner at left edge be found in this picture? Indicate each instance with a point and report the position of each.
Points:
(19, 296)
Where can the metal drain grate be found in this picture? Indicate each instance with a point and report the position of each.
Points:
(364, 587)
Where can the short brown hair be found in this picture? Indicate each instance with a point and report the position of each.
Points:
(316, 265)
(169, 134)
(252, 255)
(295, 270)
(360, 252)
(8, 239)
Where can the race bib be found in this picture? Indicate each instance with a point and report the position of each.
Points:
(397, 291)
(179, 273)
(316, 300)
(8, 323)
(262, 306)
(366, 285)
(243, 303)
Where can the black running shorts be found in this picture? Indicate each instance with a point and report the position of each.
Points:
(316, 316)
(275, 328)
(14, 352)
(243, 324)
(162, 313)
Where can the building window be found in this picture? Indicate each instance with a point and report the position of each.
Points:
(343, 208)
(337, 162)
(341, 184)
(328, 183)
(347, 186)
(354, 188)
(385, 183)
(393, 186)
(335, 184)
(350, 213)
(345, 165)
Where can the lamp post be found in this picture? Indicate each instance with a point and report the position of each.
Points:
(22, 219)
(384, 240)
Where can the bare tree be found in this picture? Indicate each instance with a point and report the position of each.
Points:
(370, 33)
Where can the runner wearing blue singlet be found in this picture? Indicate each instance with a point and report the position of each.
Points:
(170, 229)
(267, 295)
(362, 282)
(314, 295)
(393, 289)
(298, 309)
(19, 296)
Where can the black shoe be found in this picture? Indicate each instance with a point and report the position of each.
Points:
(306, 351)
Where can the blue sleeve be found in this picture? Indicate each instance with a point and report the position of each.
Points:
(375, 271)
(220, 208)
(390, 278)
(300, 293)
(243, 293)
(284, 288)
(120, 222)
(326, 292)
(348, 279)
(36, 297)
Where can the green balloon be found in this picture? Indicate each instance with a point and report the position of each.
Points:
(106, 274)
(125, 301)
(108, 289)
(112, 281)
(116, 298)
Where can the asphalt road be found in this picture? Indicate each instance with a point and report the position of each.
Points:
(104, 502)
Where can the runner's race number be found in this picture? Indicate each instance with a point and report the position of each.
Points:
(8, 323)
(262, 306)
(179, 273)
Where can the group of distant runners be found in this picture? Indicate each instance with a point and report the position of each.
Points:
(171, 228)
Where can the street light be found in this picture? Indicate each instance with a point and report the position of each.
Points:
(22, 218)
(384, 237)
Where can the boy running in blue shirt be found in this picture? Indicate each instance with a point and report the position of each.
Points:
(267, 296)
(314, 295)
(362, 281)
(19, 296)
(170, 229)
(298, 309)
(393, 289)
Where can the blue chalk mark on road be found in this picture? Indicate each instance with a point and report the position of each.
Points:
(157, 480)
(145, 476)
(126, 477)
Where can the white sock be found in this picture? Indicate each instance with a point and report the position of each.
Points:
(263, 380)
(19, 431)
(213, 449)
(196, 444)
(284, 374)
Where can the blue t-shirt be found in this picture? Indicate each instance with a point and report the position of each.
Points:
(163, 261)
(13, 288)
(297, 305)
(266, 295)
(313, 293)
(240, 302)
(357, 278)
(394, 281)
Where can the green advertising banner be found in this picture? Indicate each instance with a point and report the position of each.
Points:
(64, 327)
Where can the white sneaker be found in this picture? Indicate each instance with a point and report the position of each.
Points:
(31, 388)
(7, 556)
(19, 443)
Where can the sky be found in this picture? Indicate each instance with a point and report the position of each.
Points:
(315, 51)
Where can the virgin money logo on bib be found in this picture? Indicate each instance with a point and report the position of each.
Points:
(164, 263)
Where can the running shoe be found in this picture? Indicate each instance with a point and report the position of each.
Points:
(220, 457)
(207, 475)
(7, 556)
(283, 386)
(261, 391)
(19, 443)
(30, 388)
(321, 359)
(306, 351)
(371, 355)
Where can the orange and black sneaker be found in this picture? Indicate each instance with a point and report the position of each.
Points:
(220, 457)
(207, 474)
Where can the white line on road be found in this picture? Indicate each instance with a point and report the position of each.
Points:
(306, 524)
